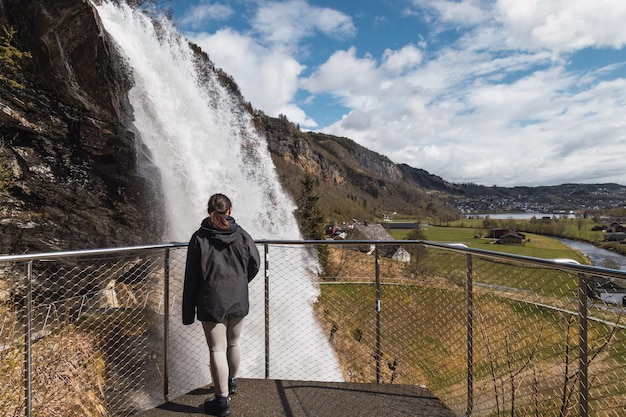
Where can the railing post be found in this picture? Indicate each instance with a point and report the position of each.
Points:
(28, 342)
(583, 363)
(378, 350)
(166, 323)
(267, 311)
(470, 336)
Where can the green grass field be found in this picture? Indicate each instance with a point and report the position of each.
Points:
(536, 245)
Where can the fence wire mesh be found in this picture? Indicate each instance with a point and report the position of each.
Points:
(101, 334)
(76, 334)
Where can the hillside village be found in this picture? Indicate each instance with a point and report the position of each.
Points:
(557, 200)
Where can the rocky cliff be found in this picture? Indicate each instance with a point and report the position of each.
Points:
(69, 165)
(354, 182)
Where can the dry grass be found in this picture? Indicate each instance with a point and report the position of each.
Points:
(71, 366)
(68, 375)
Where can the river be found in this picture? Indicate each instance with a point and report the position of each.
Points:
(596, 255)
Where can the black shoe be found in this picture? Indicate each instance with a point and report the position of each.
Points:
(218, 406)
(232, 386)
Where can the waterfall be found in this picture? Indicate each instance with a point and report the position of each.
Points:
(203, 141)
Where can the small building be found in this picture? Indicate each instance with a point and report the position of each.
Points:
(369, 232)
(497, 233)
(513, 238)
(616, 227)
(334, 233)
(377, 232)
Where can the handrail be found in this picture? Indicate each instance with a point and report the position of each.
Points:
(86, 252)
(558, 264)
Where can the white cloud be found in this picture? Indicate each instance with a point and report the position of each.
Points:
(531, 131)
(287, 23)
(462, 13)
(263, 61)
(556, 25)
(563, 25)
(499, 106)
(268, 78)
(407, 57)
(198, 14)
(344, 74)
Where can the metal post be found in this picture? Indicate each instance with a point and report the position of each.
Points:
(166, 323)
(470, 336)
(267, 312)
(583, 363)
(378, 350)
(28, 342)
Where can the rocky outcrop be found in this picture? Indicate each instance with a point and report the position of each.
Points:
(354, 181)
(70, 175)
(337, 161)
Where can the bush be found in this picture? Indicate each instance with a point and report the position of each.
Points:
(10, 58)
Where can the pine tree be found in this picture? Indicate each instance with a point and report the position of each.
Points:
(308, 213)
(310, 217)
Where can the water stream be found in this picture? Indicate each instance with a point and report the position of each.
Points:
(202, 142)
(596, 255)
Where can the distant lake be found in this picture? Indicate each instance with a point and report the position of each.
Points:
(518, 216)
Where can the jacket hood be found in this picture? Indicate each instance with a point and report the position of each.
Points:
(224, 236)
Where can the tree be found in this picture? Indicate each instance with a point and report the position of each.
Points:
(416, 267)
(308, 214)
(580, 222)
(417, 233)
(488, 222)
(310, 217)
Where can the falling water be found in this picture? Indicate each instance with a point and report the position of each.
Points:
(202, 141)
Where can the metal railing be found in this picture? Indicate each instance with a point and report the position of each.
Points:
(98, 332)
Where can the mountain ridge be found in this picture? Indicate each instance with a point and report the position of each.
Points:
(373, 172)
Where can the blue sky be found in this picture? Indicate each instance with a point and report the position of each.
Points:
(494, 92)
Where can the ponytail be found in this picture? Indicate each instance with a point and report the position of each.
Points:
(218, 206)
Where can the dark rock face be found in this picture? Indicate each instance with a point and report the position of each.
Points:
(70, 178)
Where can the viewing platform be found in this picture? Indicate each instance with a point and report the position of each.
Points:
(275, 398)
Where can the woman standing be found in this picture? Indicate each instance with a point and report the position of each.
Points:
(222, 259)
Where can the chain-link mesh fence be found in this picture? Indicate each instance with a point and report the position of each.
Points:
(490, 334)
(77, 336)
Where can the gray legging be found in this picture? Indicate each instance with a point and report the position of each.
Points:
(223, 341)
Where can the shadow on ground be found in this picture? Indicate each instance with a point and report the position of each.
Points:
(267, 398)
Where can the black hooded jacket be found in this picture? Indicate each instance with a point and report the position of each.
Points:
(220, 264)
